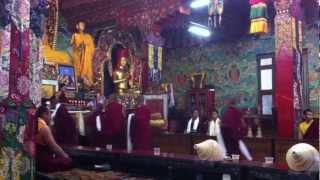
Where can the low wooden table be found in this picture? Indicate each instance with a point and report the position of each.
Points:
(181, 166)
(258, 147)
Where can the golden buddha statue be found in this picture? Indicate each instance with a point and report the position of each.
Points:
(121, 75)
(83, 51)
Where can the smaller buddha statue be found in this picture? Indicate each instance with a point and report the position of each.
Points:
(121, 75)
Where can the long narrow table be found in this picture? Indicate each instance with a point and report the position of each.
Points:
(181, 166)
(259, 147)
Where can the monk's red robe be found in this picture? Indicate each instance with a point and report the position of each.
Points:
(313, 131)
(94, 136)
(48, 162)
(230, 129)
(113, 125)
(46, 159)
(65, 127)
(141, 130)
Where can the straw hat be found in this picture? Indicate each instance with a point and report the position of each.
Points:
(303, 157)
(209, 150)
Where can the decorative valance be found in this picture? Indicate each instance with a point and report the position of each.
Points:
(258, 16)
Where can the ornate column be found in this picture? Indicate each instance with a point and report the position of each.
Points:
(21, 66)
(288, 94)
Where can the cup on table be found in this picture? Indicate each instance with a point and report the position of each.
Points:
(109, 147)
(235, 157)
(156, 151)
(268, 160)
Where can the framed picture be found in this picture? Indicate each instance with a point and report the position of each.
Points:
(67, 75)
(49, 72)
(49, 88)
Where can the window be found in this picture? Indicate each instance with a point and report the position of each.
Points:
(265, 74)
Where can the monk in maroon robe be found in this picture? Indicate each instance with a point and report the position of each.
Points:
(113, 123)
(141, 130)
(308, 127)
(64, 125)
(50, 156)
(231, 128)
(93, 127)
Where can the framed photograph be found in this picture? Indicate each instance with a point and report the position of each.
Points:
(49, 88)
(67, 75)
(49, 72)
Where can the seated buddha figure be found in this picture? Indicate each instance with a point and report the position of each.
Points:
(121, 74)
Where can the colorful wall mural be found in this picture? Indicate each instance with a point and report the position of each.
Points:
(311, 42)
(221, 61)
(230, 67)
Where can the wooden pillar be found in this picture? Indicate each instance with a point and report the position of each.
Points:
(287, 62)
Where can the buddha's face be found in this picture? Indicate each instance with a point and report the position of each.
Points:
(81, 26)
(123, 62)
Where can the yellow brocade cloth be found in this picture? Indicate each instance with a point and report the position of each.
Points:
(259, 25)
(304, 126)
(83, 50)
(56, 57)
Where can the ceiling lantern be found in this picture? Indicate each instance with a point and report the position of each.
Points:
(215, 10)
(258, 17)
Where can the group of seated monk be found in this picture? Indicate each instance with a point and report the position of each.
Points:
(104, 126)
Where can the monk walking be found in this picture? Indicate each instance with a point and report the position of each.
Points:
(141, 130)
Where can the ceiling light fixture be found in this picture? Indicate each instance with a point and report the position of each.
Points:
(199, 3)
(199, 29)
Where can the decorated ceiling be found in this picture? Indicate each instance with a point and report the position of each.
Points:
(143, 13)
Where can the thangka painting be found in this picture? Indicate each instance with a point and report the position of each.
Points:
(68, 77)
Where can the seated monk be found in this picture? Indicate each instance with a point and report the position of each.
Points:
(193, 125)
(141, 129)
(50, 156)
(64, 125)
(308, 127)
(94, 128)
(113, 123)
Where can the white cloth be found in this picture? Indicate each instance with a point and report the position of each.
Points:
(244, 150)
(221, 142)
(98, 123)
(129, 142)
(171, 96)
(214, 127)
(55, 110)
(195, 125)
(81, 124)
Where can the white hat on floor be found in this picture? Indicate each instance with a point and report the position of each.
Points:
(209, 150)
(303, 157)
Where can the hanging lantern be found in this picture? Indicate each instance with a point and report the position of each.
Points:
(258, 16)
(215, 10)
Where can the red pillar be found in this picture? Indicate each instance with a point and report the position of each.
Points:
(286, 67)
